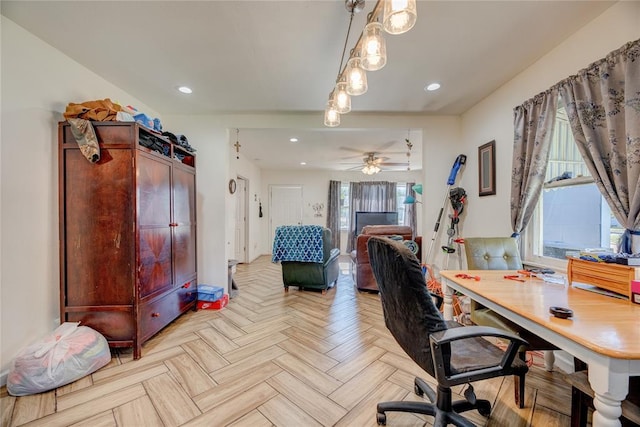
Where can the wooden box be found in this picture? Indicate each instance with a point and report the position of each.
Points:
(612, 277)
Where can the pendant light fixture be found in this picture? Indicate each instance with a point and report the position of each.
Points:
(342, 98)
(331, 115)
(374, 48)
(356, 77)
(369, 52)
(399, 16)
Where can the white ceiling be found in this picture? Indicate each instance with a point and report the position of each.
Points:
(283, 56)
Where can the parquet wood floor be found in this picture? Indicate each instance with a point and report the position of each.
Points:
(271, 358)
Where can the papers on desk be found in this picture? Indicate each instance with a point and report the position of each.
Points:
(557, 279)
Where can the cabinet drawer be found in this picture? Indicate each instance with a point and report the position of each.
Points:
(187, 293)
(160, 312)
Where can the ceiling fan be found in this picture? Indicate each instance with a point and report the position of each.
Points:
(372, 164)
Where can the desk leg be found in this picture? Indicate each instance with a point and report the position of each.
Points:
(610, 389)
(447, 294)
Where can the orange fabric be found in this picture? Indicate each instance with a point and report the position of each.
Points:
(435, 287)
(101, 110)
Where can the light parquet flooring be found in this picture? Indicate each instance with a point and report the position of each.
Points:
(271, 358)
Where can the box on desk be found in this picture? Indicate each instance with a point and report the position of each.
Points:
(635, 291)
(609, 276)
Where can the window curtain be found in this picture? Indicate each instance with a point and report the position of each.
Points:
(533, 129)
(410, 217)
(379, 196)
(333, 212)
(603, 107)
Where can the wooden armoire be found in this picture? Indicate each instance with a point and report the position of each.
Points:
(127, 233)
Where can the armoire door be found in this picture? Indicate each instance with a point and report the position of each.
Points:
(184, 225)
(154, 225)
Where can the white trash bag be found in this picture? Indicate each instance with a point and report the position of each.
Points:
(66, 355)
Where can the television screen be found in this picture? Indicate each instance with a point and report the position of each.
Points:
(375, 218)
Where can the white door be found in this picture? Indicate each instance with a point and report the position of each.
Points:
(285, 207)
(241, 221)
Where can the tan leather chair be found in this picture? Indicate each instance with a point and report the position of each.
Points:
(501, 253)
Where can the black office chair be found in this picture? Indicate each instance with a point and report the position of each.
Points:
(452, 354)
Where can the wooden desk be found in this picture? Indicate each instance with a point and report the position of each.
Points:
(604, 332)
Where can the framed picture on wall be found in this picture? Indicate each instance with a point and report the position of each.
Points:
(487, 169)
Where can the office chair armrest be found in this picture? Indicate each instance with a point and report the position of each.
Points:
(455, 334)
(437, 300)
(441, 346)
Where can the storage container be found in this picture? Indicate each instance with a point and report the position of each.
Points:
(209, 293)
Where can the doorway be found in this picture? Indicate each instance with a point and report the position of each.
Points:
(241, 223)
(285, 207)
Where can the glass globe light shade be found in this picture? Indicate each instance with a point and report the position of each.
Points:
(342, 98)
(331, 115)
(374, 47)
(399, 16)
(356, 77)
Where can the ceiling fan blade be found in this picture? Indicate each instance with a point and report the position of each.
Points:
(351, 157)
(393, 164)
(386, 145)
(355, 150)
(379, 160)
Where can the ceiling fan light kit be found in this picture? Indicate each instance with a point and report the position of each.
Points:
(369, 52)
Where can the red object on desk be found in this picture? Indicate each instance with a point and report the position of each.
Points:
(466, 276)
(514, 277)
(635, 291)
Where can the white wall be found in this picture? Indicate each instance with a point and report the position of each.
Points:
(37, 83)
(493, 117)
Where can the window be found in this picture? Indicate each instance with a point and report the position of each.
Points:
(344, 206)
(571, 214)
(401, 194)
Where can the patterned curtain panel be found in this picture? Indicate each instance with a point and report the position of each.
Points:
(333, 212)
(603, 106)
(533, 129)
(379, 196)
(410, 216)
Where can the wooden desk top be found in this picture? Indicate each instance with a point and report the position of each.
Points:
(606, 325)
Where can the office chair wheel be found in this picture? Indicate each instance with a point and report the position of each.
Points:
(381, 418)
(417, 390)
(484, 408)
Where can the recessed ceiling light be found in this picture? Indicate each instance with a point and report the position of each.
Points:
(303, 163)
(431, 87)
(294, 139)
(185, 89)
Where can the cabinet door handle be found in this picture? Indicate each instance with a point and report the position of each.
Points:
(155, 314)
(173, 224)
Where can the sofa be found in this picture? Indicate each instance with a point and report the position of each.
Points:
(360, 265)
(307, 258)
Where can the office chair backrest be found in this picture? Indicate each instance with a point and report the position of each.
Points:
(492, 253)
(409, 311)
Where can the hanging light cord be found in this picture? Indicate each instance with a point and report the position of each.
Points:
(346, 40)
